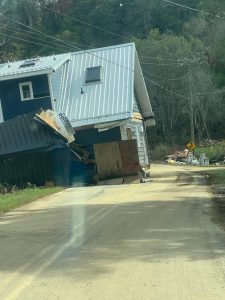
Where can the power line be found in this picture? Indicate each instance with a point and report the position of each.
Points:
(90, 53)
(201, 108)
(66, 48)
(172, 79)
(102, 29)
(155, 64)
(211, 93)
(81, 21)
(105, 30)
(166, 59)
(222, 91)
(27, 41)
(139, 74)
(41, 32)
(193, 9)
(165, 89)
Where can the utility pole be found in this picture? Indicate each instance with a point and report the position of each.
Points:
(191, 108)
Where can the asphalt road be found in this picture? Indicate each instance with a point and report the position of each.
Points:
(156, 240)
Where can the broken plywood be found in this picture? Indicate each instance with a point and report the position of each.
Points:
(117, 159)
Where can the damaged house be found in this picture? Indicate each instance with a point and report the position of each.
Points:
(32, 152)
(101, 91)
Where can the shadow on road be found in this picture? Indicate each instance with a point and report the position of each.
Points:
(101, 235)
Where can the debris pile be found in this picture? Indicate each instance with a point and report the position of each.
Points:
(179, 157)
(186, 157)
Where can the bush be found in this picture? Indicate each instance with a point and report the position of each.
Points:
(214, 153)
(6, 188)
(160, 152)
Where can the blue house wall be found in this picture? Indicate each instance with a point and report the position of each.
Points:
(89, 137)
(13, 106)
(80, 173)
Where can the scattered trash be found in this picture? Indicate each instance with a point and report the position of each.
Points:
(179, 157)
(186, 157)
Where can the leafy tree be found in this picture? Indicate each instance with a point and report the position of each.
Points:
(181, 50)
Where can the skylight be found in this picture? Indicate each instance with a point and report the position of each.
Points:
(29, 63)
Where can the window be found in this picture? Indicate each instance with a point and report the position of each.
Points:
(26, 91)
(93, 75)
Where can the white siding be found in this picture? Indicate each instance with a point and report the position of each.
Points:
(1, 114)
(138, 133)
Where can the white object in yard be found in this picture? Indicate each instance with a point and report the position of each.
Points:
(195, 162)
(204, 161)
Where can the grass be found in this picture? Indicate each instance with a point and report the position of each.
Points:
(214, 153)
(19, 198)
(216, 179)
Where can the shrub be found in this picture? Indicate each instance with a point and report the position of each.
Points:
(159, 152)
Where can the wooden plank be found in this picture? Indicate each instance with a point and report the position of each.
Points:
(137, 116)
(129, 157)
(108, 160)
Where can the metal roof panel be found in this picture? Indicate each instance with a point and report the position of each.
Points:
(98, 102)
(23, 133)
(42, 65)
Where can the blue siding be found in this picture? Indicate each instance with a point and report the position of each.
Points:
(80, 173)
(88, 137)
(12, 106)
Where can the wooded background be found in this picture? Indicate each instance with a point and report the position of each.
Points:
(182, 51)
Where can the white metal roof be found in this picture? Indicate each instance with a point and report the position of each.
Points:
(43, 65)
(110, 100)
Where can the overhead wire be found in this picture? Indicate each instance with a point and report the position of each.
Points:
(107, 31)
(42, 34)
(165, 89)
(153, 82)
(211, 93)
(155, 64)
(193, 9)
(100, 28)
(47, 43)
(165, 59)
(27, 41)
(73, 44)
(162, 78)
(202, 110)
(80, 21)
(222, 91)
(139, 74)
(89, 52)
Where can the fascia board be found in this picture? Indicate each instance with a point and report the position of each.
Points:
(26, 74)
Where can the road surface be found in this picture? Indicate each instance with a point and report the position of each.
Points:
(154, 240)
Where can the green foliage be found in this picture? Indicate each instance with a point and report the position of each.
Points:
(22, 197)
(216, 178)
(159, 152)
(173, 74)
(215, 153)
(165, 36)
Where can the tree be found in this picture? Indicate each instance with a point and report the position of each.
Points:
(168, 74)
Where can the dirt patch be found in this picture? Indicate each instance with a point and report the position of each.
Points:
(215, 180)
(218, 211)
